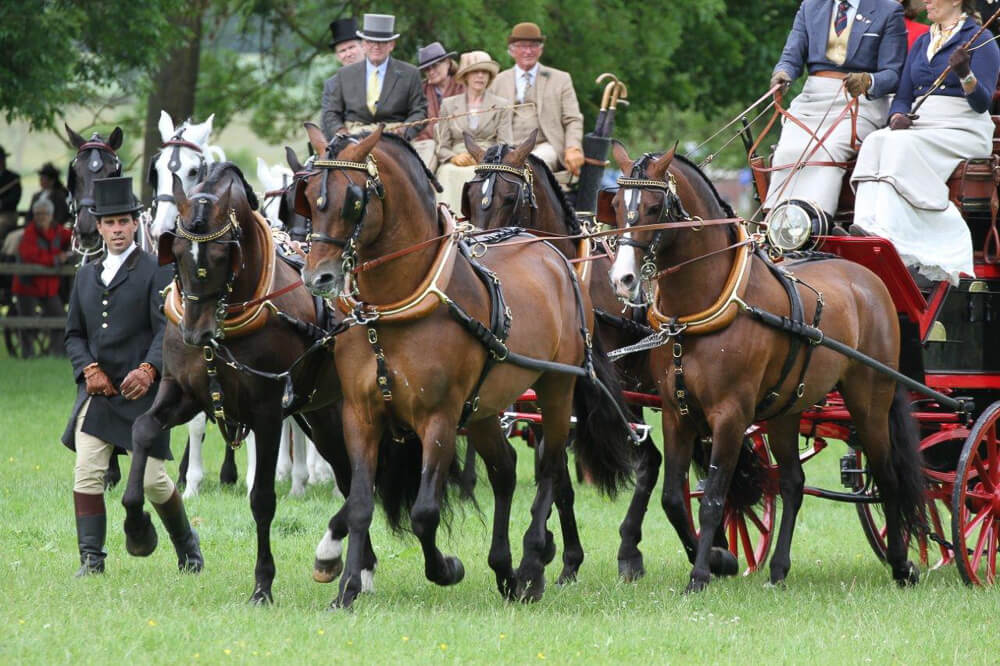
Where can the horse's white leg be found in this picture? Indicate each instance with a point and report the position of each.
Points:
(251, 446)
(320, 470)
(300, 468)
(284, 468)
(196, 470)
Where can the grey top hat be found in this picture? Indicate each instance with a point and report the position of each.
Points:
(113, 196)
(378, 28)
(343, 30)
(432, 54)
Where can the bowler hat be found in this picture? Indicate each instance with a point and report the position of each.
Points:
(475, 61)
(378, 28)
(526, 32)
(432, 54)
(113, 196)
(343, 30)
(48, 169)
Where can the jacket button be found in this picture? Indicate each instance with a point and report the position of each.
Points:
(104, 314)
(104, 325)
(104, 302)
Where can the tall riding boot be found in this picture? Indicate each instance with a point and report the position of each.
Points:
(91, 528)
(184, 537)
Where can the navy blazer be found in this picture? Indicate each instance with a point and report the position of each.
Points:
(877, 43)
(919, 74)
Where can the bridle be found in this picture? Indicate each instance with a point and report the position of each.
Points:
(488, 173)
(95, 161)
(177, 141)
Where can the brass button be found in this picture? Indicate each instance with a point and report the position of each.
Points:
(104, 314)
(104, 302)
(104, 325)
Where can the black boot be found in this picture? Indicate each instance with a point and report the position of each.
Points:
(91, 528)
(184, 537)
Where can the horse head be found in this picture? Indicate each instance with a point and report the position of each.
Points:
(279, 184)
(502, 194)
(184, 153)
(206, 246)
(95, 158)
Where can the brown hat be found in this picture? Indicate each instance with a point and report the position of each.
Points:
(476, 61)
(526, 32)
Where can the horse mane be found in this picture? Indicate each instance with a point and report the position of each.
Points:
(341, 141)
(495, 155)
(217, 170)
(726, 208)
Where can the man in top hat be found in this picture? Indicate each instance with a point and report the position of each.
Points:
(438, 66)
(379, 89)
(114, 339)
(10, 195)
(52, 187)
(345, 44)
(556, 113)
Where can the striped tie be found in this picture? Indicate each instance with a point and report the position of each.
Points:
(841, 21)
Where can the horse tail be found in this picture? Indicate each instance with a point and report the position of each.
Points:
(746, 487)
(907, 463)
(602, 437)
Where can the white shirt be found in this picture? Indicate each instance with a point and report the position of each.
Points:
(520, 85)
(113, 262)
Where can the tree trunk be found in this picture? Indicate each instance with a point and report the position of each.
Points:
(173, 88)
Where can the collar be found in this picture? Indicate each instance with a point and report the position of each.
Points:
(117, 260)
(533, 71)
(381, 68)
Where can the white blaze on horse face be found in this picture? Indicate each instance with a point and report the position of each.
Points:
(625, 271)
(195, 249)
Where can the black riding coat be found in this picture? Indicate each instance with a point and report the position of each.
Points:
(118, 326)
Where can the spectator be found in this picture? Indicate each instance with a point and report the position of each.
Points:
(45, 244)
(914, 28)
(10, 196)
(440, 82)
(345, 44)
(52, 187)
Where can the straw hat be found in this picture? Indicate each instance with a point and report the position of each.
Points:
(526, 32)
(475, 61)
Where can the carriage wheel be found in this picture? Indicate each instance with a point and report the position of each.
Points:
(749, 530)
(975, 520)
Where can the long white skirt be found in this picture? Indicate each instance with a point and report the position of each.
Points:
(817, 107)
(901, 192)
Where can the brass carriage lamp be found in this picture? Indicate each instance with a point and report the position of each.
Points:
(796, 224)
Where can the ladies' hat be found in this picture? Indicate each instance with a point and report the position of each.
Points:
(343, 30)
(48, 169)
(474, 61)
(378, 28)
(113, 196)
(432, 54)
(526, 32)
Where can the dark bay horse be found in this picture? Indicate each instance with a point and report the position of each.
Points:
(412, 366)
(514, 188)
(719, 368)
(233, 300)
(95, 158)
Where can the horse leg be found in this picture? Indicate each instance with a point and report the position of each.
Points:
(572, 548)
(228, 473)
(486, 438)
(262, 504)
(630, 566)
(170, 407)
(438, 439)
(284, 468)
(783, 437)
(114, 474)
(251, 448)
(300, 462)
(196, 468)
(727, 438)
(678, 448)
(320, 471)
(467, 481)
(182, 468)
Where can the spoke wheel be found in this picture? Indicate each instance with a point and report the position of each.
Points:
(749, 530)
(976, 502)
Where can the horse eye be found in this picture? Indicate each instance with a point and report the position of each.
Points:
(510, 199)
(655, 210)
(192, 172)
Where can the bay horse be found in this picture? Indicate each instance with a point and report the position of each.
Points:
(95, 159)
(234, 305)
(410, 365)
(513, 187)
(720, 370)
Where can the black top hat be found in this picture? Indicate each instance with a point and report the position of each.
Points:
(49, 169)
(343, 30)
(113, 196)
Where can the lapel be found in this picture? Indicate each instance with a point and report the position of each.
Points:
(863, 21)
(123, 270)
(391, 75)
(960, 35)
(354, 85)
(541, 81)
(504, 85)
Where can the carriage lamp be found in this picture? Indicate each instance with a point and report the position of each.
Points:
(794, 224)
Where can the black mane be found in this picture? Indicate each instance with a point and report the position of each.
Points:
(215, 174)
(495, 155)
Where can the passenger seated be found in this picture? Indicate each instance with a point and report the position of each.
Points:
(902, 170)
(857, 45)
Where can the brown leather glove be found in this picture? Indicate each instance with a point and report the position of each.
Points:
(463, 160)
(573, 159)
(138, 381)
(960, 62)
(781, 78)
(98, 382)
(858, 83)
(900, 121)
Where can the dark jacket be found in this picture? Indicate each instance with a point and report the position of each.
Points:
(400, 100)
(12, 195)
(59, 197)
(117, 326)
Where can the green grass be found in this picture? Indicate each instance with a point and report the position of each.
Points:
(839, 606)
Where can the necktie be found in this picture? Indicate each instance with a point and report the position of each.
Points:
(373, 90)
(527, 84)
(841, 21)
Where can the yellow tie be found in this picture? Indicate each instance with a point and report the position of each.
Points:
(373, 91)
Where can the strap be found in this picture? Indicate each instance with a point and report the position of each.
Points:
(796, 313)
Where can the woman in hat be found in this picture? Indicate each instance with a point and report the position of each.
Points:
(479, 112)
(55, 191)
(438, 67)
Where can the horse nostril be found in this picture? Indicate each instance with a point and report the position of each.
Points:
(628, 279)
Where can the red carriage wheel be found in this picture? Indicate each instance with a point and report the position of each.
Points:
(749, 530)
(975, 520)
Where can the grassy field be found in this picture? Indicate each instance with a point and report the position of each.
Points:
(840, 606)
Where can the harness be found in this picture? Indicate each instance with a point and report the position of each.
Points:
(177, 141)
(526, 206)
(95, 161)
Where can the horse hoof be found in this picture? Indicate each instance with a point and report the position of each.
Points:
(260, 598)
(140, 538)
(530, 588)
(326, 571)
(567, 577)
(507, 587)
(456, 571)
(695, 585)
(631, 569)
(723, 563)
(909, 576)
(549, 553)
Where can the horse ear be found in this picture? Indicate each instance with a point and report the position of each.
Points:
(293, 159)
(367, 144)
(200, 132)
(474, 148)
(180, 198)
(166, 126)
(621, 157)
(115, 140)
(659, 165)
(316, 138)
(521, 153)
(74, 138)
